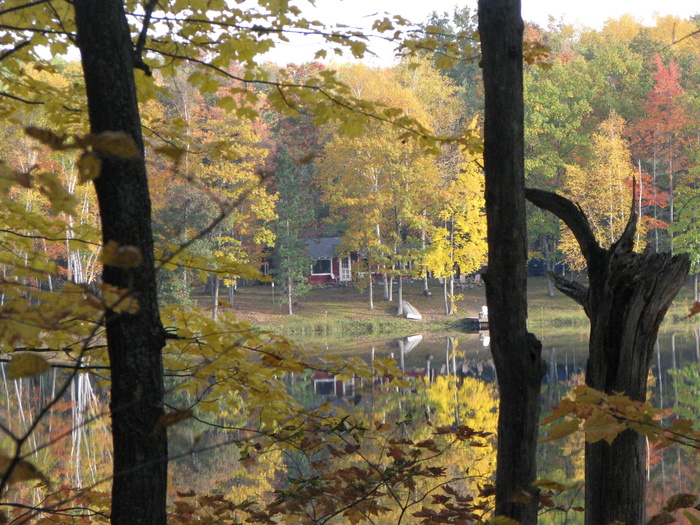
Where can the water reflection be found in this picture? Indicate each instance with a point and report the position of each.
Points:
(452, 381)
(565, 351)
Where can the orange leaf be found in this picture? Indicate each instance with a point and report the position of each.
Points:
(694, 310)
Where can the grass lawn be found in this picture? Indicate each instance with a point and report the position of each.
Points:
(344, 309)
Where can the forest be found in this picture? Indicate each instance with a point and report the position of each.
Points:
(171, 160)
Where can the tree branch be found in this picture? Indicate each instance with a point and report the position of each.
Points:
(141, 42)
(571, 289)
(571, 214)
(14, 49)
(20, 7)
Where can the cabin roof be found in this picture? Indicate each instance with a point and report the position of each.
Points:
(322, 248)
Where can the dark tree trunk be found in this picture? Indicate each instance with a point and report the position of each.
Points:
(134, 341)
(516, 354)
(627, 298)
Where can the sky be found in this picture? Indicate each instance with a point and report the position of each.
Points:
(590, 13)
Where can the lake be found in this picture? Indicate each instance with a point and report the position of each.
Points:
(72, 442)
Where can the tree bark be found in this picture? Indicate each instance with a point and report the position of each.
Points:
(134, 341)
(626, 300)
(516, 353)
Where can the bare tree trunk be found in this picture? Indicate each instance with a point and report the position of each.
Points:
(516, 353)
(399, 296)
(290, 300)
(370, 288)
(446, 296)
(215, 284)
(232, 292)
(423, 243)
(134, 341)
(626, 300)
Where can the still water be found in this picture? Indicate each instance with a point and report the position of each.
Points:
(674, 385)
(452, 382)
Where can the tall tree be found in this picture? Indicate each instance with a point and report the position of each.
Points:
(292, 264)
(134, 341)
(516, 353)
(458, 239)
(111, 49)
(686, 229)
(377, 182)
(661, 136)
(601, 187)
(557, 132)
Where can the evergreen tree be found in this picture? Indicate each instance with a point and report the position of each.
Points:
(292, 265)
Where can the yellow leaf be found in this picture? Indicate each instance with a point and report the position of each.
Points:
(554, 486)
(522, 496)
(119, 300)
(608, 432)
(168, 420)
(26, 365)
(173, 152)
(115, 143)
(22, 470)
(89, 167)
(563, 429)
(60, 198)
(121, 256)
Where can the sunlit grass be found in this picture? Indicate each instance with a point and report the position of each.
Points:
(336, 310)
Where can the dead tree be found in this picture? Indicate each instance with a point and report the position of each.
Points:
(627, 298)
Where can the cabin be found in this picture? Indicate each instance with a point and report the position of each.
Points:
(328, 267)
